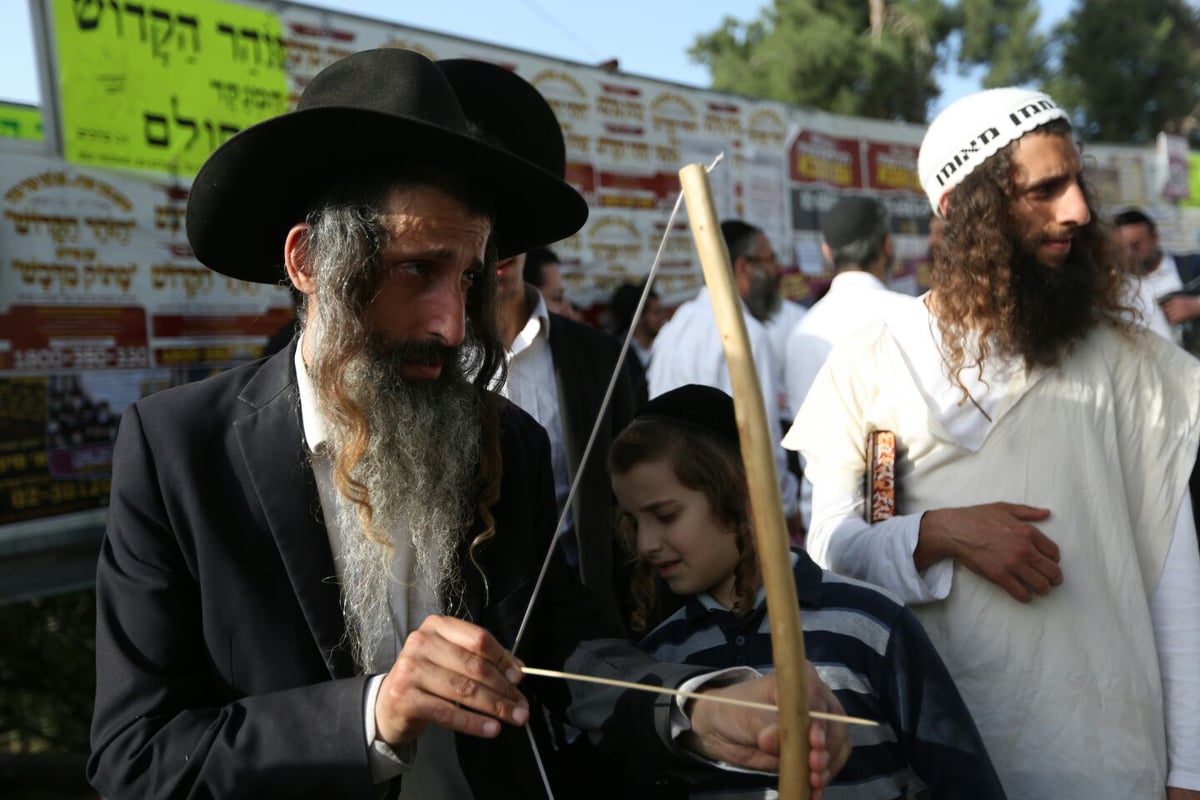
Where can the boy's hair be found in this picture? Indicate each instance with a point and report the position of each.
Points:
(704, 462)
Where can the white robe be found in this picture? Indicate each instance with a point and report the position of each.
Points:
(1066, 690)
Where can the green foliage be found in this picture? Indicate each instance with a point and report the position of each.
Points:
(1000, 35)
(47, 674)
(1130, 67)
(873, 59)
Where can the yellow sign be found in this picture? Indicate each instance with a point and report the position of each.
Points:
(158, 85)
(20, 122)
(1194, 180)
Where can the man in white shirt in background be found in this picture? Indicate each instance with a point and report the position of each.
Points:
(558, 371)
(777, 313)
(1159, 277)
(1042, 532)
(688, 347)
(858, 244)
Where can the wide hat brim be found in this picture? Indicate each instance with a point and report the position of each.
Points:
(380, 111)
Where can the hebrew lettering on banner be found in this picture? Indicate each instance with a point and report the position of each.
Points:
(193, 75)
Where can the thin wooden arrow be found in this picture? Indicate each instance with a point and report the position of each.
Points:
(700, 696)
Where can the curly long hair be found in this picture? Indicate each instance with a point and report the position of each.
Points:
(346, 226)
(982, 277)
(702, 462)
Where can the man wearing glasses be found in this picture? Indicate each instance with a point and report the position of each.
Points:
(688, 348)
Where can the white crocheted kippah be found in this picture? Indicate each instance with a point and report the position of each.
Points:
(971, 130)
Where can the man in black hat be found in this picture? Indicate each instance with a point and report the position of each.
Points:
(312, 560)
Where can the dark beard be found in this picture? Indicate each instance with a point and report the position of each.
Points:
(763, 298)
(1053, 307)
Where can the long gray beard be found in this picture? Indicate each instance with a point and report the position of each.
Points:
(419, 473)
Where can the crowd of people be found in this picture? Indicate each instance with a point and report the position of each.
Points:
(320, 567)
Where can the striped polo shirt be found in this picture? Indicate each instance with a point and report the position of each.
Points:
(874, 654)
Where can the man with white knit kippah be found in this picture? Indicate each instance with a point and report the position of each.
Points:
(1042, 529)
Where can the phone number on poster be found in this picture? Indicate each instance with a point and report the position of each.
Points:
(24, 497)
(85, 357)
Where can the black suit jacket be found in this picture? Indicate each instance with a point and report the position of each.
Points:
(584, 362)
(1188, 265)
(219, 657)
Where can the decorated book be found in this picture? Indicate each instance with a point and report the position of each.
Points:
(881, 476)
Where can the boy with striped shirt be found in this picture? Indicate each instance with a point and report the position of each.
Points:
(679, 480)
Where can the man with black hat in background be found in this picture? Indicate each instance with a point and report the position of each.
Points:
(1042, 527)
(312, 561)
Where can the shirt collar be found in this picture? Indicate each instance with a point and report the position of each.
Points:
(808, 590)
(1166, 263)
(537, 326)
(311, 417)
(856, 279)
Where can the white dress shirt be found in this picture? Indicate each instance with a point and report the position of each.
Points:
(779, 326)
(1162, 280)
(688, 350)
(533, 387)
(644, 354)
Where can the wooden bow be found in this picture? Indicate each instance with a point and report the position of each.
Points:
(766, 506)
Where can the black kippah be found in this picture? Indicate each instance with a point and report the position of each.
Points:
(702, 406)
(850, 220)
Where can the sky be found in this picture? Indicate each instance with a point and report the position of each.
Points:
(650, 38)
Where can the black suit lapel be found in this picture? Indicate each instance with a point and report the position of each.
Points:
(578, 412)
(272, 445)
(474, 590)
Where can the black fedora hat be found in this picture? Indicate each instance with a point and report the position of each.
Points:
(509, 109)
(376, 109)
